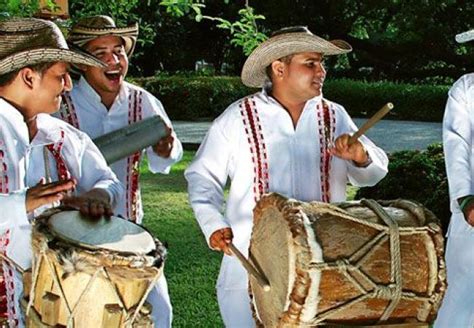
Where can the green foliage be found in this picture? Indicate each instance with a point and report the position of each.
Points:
(21, 8)
(180, 8)
(198, 97)
(412, 102)
(415, 175)
(244, 31)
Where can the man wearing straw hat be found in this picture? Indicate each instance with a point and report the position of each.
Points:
(286, 138)
(102, 101)
(34, 62)
(457, 308)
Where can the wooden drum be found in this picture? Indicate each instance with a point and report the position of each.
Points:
(351, 263)
(91, 273)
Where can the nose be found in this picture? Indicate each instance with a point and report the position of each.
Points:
(67, 83)
(112, 59)
(320, 70)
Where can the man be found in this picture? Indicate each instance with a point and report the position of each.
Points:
(102, 102)
(35, 147)
(286, 139)
(457, 309)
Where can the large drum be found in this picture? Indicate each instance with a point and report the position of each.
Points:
(357, 263)
(92, 273)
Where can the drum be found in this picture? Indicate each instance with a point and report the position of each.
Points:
(351, 263)
(91, 273)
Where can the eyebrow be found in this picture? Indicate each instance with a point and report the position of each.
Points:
(105, 48)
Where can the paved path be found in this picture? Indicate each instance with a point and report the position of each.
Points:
(388, 134)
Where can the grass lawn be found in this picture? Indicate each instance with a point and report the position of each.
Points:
(191, 268)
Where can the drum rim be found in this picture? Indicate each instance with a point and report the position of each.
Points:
(90, 247)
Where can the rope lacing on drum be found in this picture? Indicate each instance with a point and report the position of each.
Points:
(393, 291)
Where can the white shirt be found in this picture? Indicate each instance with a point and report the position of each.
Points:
(22, 165)
(458, 133)
(290, 156)
(90, 115)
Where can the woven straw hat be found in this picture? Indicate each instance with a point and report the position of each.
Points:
(31, 41)
(90, 28)
(465, 36)
(287, 41)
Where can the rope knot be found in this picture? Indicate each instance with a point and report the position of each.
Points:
(388, 292)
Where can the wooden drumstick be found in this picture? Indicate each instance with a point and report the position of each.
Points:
(262, 280)
(371, 122)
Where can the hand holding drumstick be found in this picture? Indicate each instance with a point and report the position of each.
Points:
(221, 240)
(350, 148)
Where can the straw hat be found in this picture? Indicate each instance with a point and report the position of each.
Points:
(286, 42)
(31, 41)
(465, 36)
(90, 28)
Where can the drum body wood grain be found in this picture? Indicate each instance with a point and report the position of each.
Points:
(344, 264)
(78, 287)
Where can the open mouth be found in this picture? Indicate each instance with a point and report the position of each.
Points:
(113, 75)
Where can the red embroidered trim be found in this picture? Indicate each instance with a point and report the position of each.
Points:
(3, 173)
(55, 149)
(258, 149)
(68, 111)
(133, 161)
(327, 128)
(7, 285)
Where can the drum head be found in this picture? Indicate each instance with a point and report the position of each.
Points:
(114, 234)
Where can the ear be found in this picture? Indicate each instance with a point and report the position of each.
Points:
(278, 68)
(29, 77)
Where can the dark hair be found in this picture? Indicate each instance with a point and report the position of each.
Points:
(40, 68)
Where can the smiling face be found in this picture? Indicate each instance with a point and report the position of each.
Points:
(302, 77)
(49, 87)
(107, 81)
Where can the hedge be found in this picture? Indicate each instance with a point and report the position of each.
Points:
(200, 98)
(415, 175)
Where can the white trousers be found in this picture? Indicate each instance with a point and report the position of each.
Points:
(457, 309)
(234, 305)
(162, 312)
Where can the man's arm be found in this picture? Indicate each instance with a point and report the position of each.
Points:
(100, 187)
(457, 144)
(207, 176)
(367, 164)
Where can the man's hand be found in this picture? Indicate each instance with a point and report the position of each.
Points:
(47, 193)
(94, 203)
(165, 145)
(220, 240)
(469, 213)
(354, 152)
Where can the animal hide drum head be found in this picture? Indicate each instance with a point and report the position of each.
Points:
(114, 233)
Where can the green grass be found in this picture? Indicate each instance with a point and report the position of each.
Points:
(191, 267)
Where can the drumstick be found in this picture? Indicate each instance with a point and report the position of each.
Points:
(370, 122)
(262, 280)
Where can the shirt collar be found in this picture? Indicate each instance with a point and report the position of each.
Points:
(269, 99)
(49, 131)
